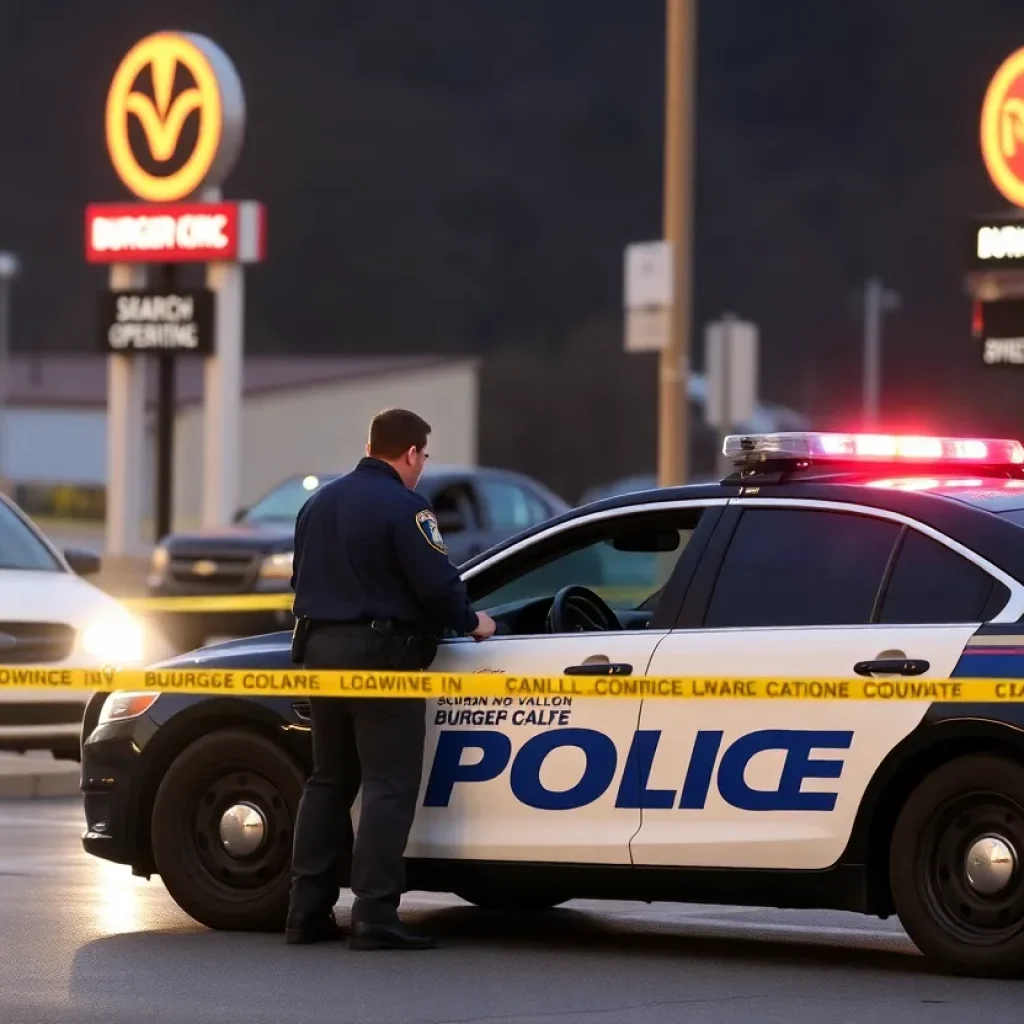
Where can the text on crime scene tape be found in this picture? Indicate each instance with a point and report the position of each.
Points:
(244, 682)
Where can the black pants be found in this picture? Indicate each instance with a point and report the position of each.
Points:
(375, 742)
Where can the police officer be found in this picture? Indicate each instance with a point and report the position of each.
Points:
(374, 588)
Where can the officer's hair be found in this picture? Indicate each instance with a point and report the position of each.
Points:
(394, 431)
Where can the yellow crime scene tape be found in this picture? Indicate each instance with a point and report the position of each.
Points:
(282, 601)
(254, 682)
(211, 603)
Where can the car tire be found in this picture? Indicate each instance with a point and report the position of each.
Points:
(965, 915)
(232, 890)
(510, 901)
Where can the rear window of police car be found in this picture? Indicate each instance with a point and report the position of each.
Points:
(1014, 516)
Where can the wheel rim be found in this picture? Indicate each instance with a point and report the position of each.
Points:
(242, 832)
(970, 867)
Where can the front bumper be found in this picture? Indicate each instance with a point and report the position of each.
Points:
(112, 779)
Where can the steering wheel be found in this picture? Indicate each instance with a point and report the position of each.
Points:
(579, 610)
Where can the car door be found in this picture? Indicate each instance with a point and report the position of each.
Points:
(541, 779)
(798, 589)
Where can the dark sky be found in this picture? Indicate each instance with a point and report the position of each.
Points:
(463, 175)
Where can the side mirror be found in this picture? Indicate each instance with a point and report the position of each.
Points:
(662, 540)
(84, 563)
(240, 514)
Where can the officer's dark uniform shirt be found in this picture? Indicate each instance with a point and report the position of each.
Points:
(367, 547)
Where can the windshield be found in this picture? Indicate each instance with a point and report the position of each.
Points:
(283, 503)
(20, 548)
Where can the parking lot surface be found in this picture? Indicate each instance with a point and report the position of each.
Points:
(85, 942)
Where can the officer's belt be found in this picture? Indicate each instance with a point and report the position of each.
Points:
(382, 627)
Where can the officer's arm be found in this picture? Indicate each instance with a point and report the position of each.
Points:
(429, 570)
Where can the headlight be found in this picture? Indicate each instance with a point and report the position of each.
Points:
(277, 567)
(158, 564)
(120, 706)
(115, 640)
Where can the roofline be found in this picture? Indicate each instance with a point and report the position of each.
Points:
(991, 536)
(653, 497)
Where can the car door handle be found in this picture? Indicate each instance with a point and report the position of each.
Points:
(892, 667)
(600, 668)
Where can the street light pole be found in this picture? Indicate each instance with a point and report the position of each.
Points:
(674, 367)
(878, 300)
(9, 268)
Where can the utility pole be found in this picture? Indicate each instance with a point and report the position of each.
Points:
(674, 367)
(9, 269)
(878, 300)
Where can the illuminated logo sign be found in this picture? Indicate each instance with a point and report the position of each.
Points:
(1002, 129)
(182, 233)
(175, 117)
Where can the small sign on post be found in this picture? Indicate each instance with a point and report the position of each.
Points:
(730, 358)
(648, 295)
(1001, 333)
(156, 322)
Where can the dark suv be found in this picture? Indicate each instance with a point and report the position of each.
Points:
(476, 507)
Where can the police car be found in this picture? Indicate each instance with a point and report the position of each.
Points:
(822, 555)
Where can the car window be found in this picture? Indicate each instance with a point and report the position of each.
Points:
(801, 567)
(589, 557)
(509, 506)
(20, 548)
(931, 583)
(283, 503)
(455, 505)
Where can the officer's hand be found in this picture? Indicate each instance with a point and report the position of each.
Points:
(485, 626)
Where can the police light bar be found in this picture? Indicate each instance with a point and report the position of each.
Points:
(819, 447)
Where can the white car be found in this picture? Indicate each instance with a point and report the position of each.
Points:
(50, 615)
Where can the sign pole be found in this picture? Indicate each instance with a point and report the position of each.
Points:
(167, 280)
(727, 388)
(126, 434)
(8, 269)
(674, 360)
(731, 357)
(878, 300)
(222, 384)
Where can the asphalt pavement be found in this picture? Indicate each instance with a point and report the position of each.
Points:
(83, 941)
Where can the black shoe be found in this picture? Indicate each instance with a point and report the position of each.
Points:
(326, 930)
(387, 935)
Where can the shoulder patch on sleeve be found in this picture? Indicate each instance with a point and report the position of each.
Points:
(427, 524)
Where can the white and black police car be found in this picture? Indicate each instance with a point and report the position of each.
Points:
(822, 555)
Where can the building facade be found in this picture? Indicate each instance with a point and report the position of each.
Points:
(298, 414)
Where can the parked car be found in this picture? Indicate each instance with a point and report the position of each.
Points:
(51, 616)
(476, 507)
(632, 484)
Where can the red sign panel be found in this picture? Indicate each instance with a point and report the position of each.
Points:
(174, 233)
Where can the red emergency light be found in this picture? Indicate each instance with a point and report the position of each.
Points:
(835, 447)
